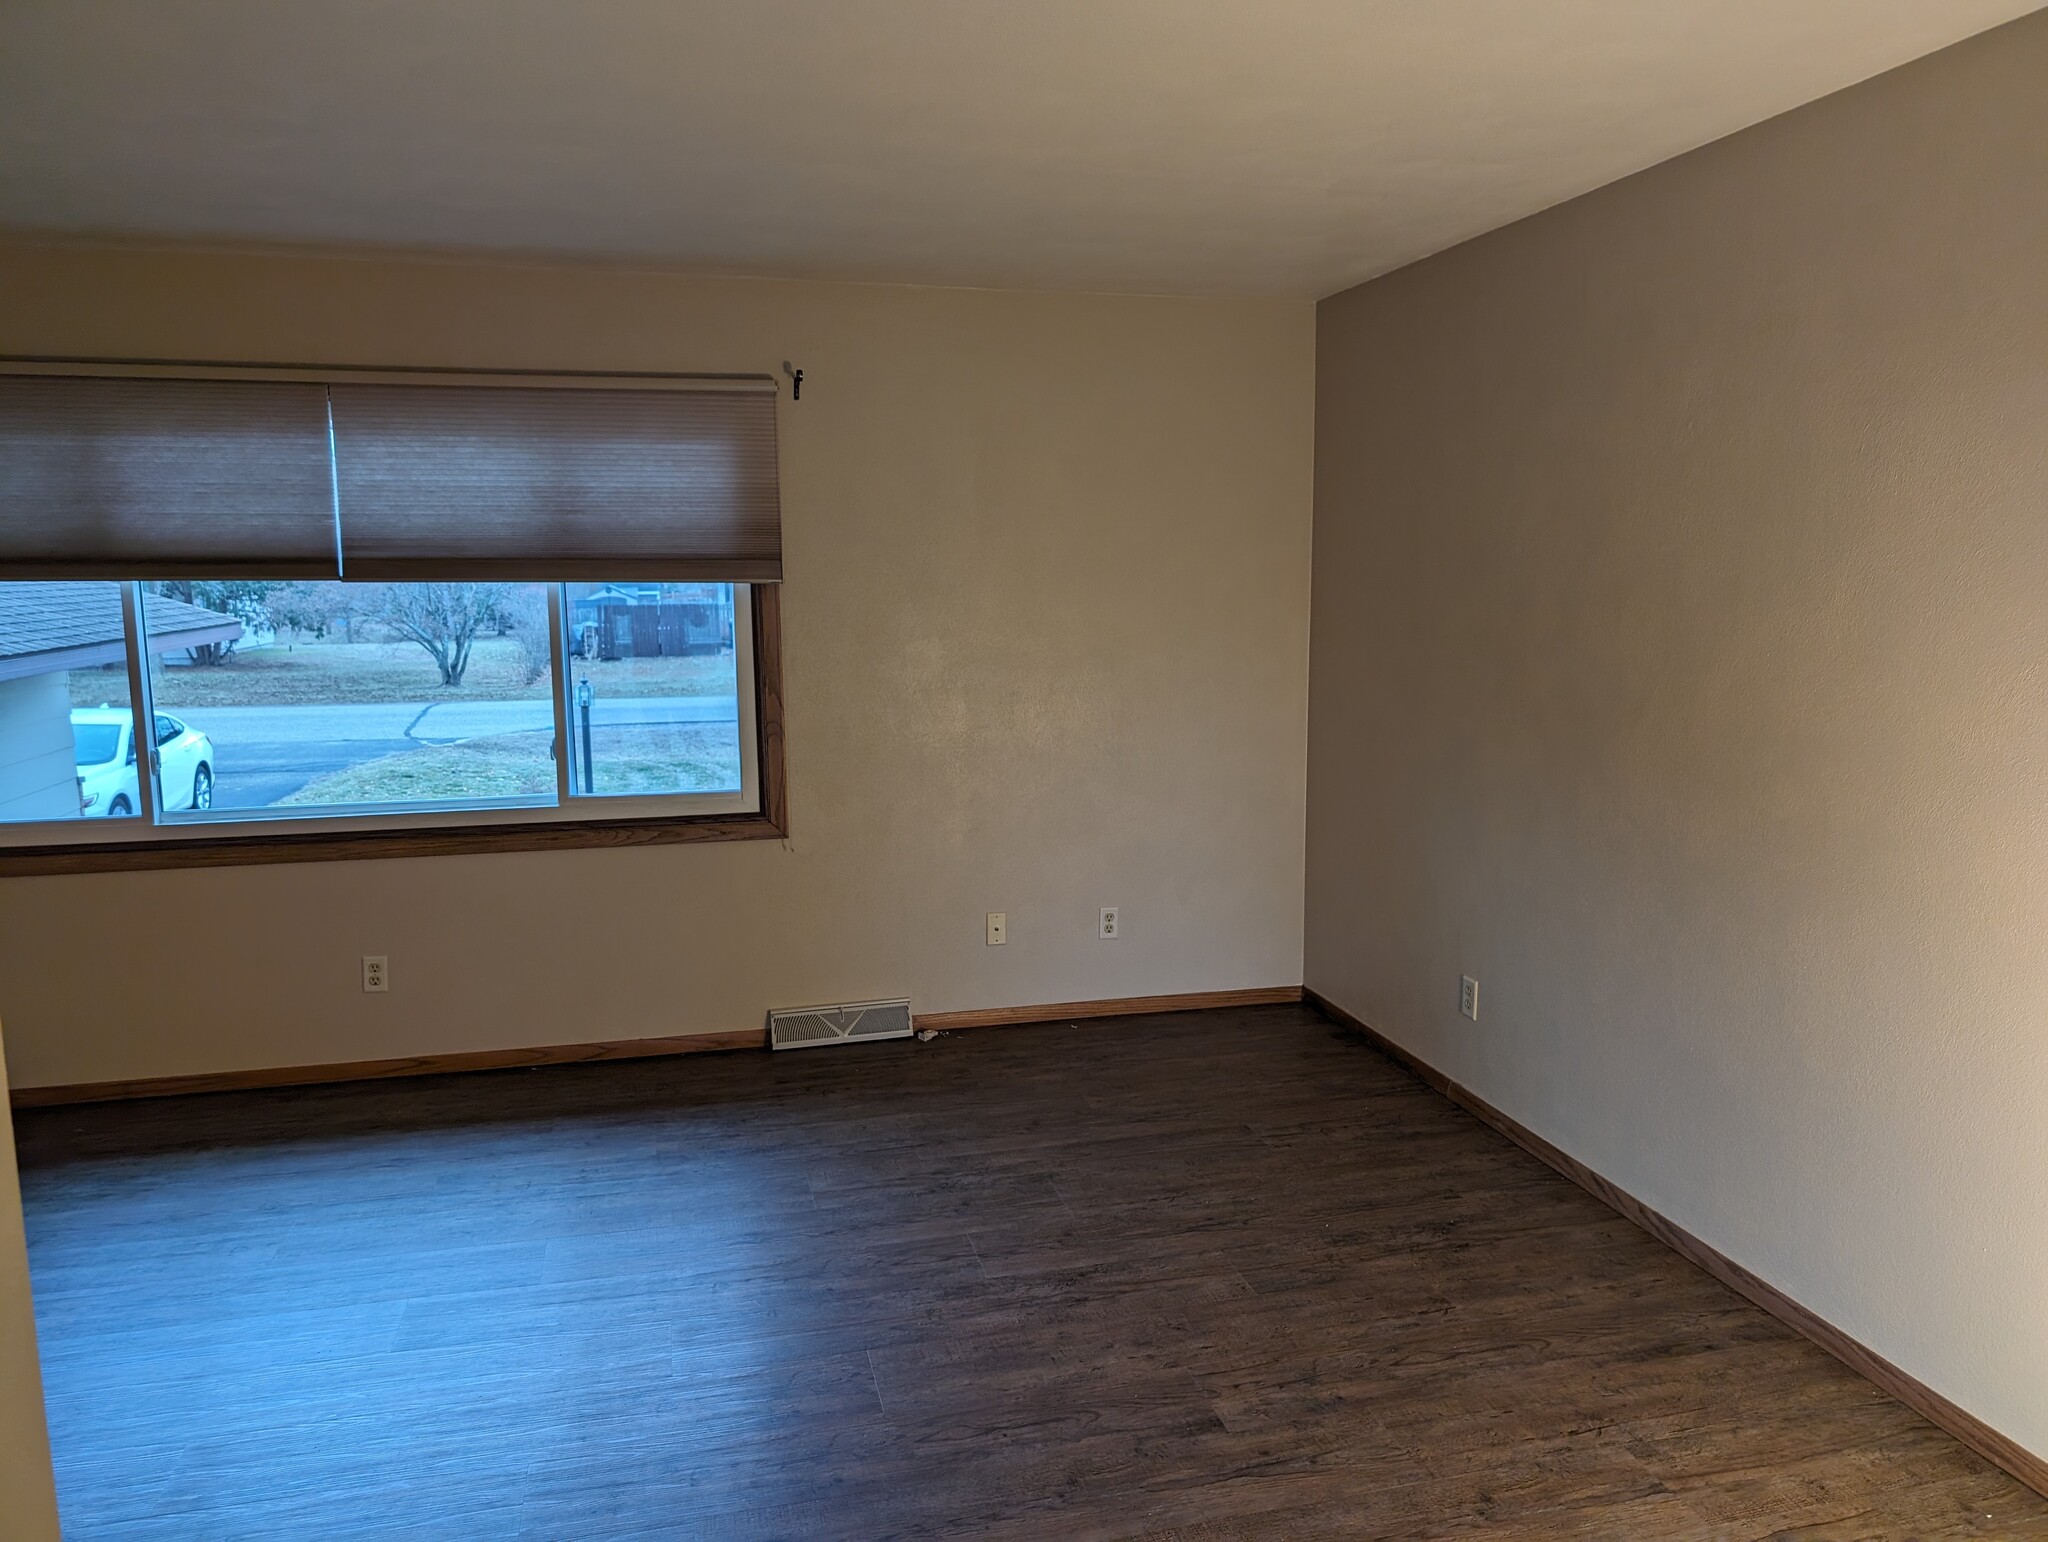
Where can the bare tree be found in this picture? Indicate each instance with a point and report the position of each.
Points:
(444, 619)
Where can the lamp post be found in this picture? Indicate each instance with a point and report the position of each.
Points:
(583, 695)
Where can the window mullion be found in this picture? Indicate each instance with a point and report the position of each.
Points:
(142, 708)
(558, 640)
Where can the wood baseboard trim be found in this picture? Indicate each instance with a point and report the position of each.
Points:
(613, 1049)
(377, 1070)
(1973, 1432)
(1120, 1006)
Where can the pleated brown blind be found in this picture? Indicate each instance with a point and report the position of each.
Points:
(106, 477)
(510, 482)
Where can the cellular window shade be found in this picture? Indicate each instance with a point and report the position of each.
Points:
(557, 483)
(104, 477)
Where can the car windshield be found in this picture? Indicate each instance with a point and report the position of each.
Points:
(97, 742)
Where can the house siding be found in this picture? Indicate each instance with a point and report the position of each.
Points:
(38, 778)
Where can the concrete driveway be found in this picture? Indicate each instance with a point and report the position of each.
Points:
(264, 754)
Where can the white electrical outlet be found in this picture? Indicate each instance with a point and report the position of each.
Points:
(998, 928)
(1468, 996)
(376, 972)
(1108, 930)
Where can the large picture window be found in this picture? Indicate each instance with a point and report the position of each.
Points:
(572, 639)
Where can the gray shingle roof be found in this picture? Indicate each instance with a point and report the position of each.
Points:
(52, 617)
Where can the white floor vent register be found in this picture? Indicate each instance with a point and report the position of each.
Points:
(809, 1027)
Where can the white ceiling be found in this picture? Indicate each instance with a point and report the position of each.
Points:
(1208, 146)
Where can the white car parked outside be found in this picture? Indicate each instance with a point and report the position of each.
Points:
(104, 747)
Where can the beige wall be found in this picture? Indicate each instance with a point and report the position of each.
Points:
(1046, 627)
(1680, 670)
(28, 1496)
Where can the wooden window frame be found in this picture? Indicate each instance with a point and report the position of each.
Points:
(769, 822)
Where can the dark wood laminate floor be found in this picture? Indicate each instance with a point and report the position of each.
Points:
(1219, 1275)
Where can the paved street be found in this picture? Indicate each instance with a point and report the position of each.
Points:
(264, 754)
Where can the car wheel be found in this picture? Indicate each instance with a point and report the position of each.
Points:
(202, 788)
(120, 808)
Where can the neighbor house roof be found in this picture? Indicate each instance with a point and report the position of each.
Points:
(45, 627)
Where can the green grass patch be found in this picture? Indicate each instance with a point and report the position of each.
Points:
(101, 686)
(666, 757)
(637, 758)
(694, 674)
(337, 673)
(502, 766)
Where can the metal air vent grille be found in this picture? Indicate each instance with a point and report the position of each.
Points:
(810, 1027)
